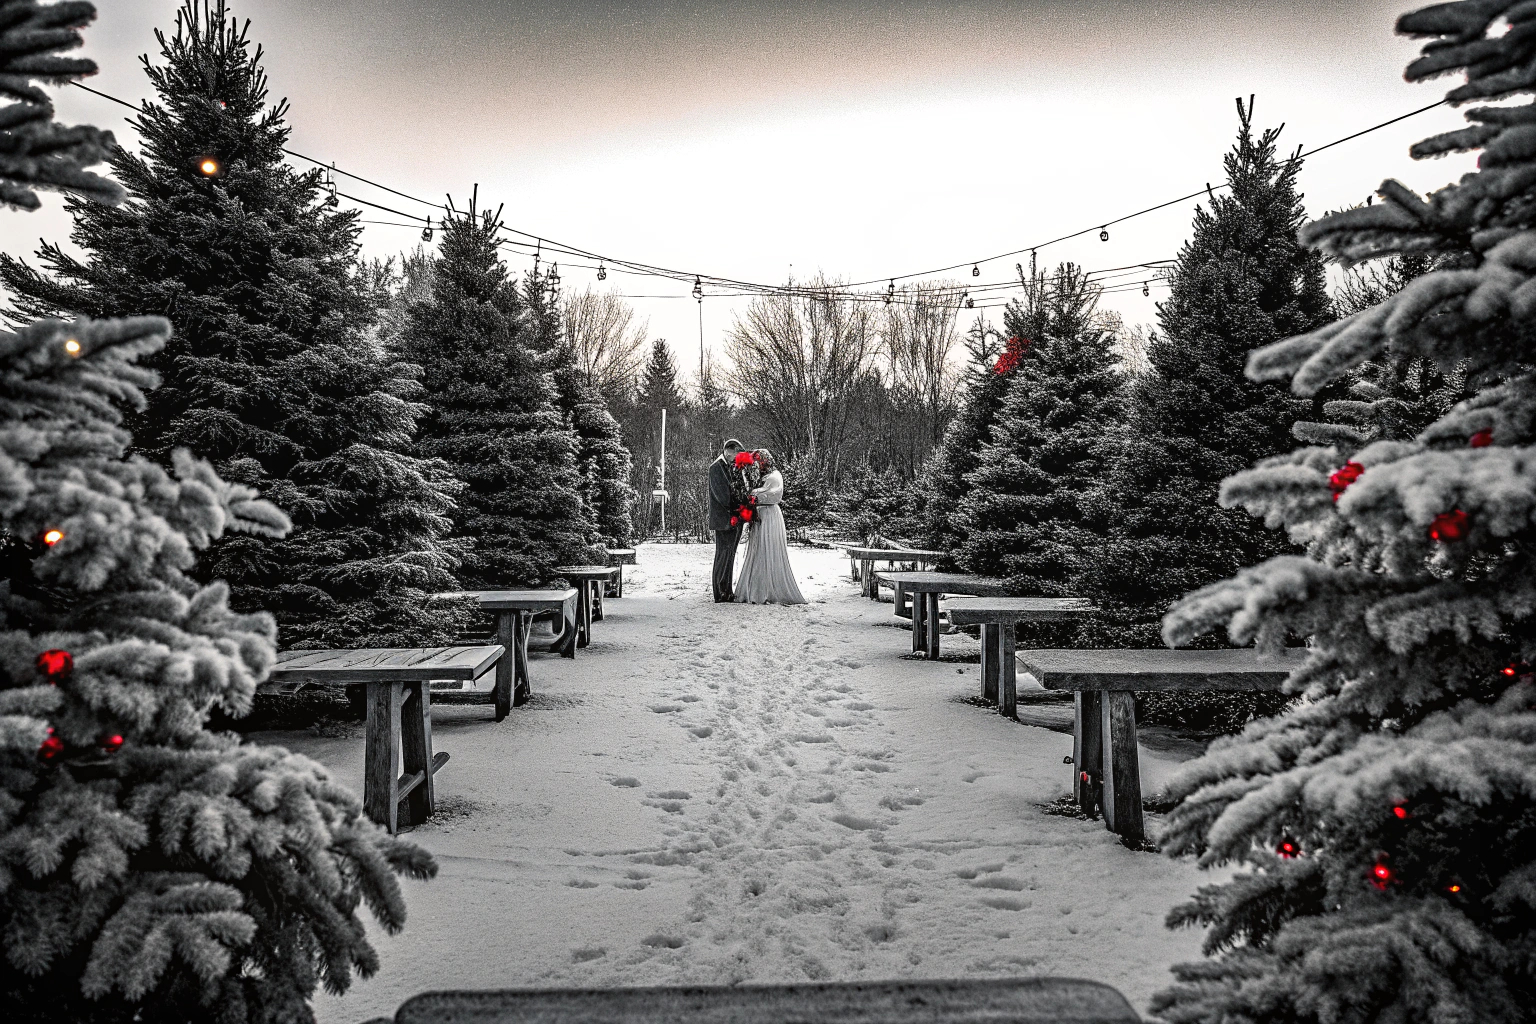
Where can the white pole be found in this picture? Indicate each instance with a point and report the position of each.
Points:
(663, 471)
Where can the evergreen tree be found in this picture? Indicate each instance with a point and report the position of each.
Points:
(35, 150)
(1193, 418)
(602, 460)
(987, 374)
(1024, 518)
(1403, 784)
(872, 504)
(492, 416)
(269, 372)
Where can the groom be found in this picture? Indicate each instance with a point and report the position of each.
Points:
(727, 536)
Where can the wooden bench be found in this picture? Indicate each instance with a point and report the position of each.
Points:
(971, 1001)
(1106, 766)
(620, 557)
(999, 618)
(864, 559)
(589, 580)
(399, 682)
(514, 611)
(926, 588)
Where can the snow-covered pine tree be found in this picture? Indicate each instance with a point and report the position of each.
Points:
(269, 372)
(1023, 517)
(871, 503)
(1404, 782)
(602, 460)
(35, 150)
(1193, 418)
(491, 414)
(989, 366)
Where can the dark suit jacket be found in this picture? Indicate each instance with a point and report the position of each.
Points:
(721, 508)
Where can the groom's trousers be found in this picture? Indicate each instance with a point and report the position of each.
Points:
(725, 561)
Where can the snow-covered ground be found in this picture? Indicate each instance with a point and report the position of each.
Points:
(715, 794)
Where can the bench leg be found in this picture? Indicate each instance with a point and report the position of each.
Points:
(618, 583)
(919, 625)
(867, 573)
(584, 615)
(991, 648)
(902, 608)
(518, 652)
(416, 751)
(1122, 767)
(569, 623)
(597, 600)
(506, 635)
(1008, 700)
(932, 615)
(1087, 751)
(381, 755)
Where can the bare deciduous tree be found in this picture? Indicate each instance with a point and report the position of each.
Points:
(609, 346)
(798, 359)
(918, 339)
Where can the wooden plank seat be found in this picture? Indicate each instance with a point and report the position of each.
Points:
(589, 580)
(925, 589)
(864, 560)
(969, 1001)
(620, 557)
(399, 730)
(999, 618)
(1106, 766)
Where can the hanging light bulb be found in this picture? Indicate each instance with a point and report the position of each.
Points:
(698, 288)
(890, 292)
(426, 232)
(53, 536)
(1146, 288)
(209, 167)
(1104, 234)
(602, 272)
(975, 270)
(72, 346)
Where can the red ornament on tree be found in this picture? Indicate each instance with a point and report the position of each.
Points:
(1482, 439)
(55, 664)
(1381, 875)
(51, 747)
(1011, 355)
(1287, 849)
(111, 743)
(1400, 811)
(1449, 526)
(1344, 476)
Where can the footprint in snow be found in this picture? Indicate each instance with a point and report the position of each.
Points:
(582, 955)
(582, 883)
(659, 941)
(666, 709)
(702, 731)
(984, 869)
(625, 782)
(856, 823)
(1006, 903)
(900, 802)
(972, 776)
(1000, 882)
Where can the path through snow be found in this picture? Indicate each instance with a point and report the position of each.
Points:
(716, 794)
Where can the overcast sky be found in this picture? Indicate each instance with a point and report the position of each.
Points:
(859, 139)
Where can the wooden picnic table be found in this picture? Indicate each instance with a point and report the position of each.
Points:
(970, 1001)
(399, 729)
(589, 580)
(1106, 766)
(999, 617)
(514, 610)
(620, 557)
(926, 588)
(864, 560)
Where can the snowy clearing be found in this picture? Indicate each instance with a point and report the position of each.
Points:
(714, 794)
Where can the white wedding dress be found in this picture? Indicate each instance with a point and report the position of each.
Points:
(766, 576)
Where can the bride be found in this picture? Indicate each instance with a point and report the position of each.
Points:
(766, 576)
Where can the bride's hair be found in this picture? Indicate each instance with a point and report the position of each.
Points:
(765, 460)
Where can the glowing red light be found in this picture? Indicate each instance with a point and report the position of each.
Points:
(55, 663)
(1449, 526)
(1401, 812)
(1287, 849)
(111, 743)
(1342, 477)
(53, 536)
(1382, 872)
(51, 747)
(1508, 670)
(1453, 888)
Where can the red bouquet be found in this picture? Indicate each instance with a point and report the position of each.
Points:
(746, 477)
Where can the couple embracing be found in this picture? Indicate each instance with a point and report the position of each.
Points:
(745, 489)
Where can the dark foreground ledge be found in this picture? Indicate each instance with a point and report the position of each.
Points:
(992, 1000)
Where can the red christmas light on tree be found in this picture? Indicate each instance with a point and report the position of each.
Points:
(111, 743)
(1381, 875)
(1011, 355)
(53, 536)
(1288, 849)
(51, 747)
(1400, 811)
(1449, 526)
(1482, 439)
(55, 664)
(1344, 476)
